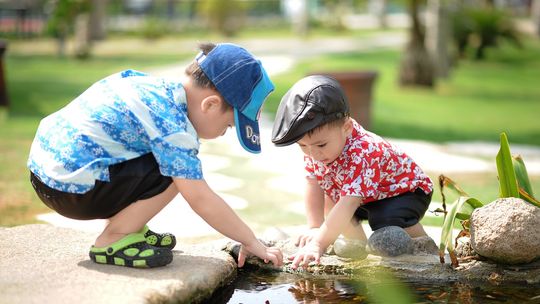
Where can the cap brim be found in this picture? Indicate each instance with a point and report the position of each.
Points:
(247, 131)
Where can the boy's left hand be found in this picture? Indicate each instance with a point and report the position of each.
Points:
(311, 252)
(272, 254)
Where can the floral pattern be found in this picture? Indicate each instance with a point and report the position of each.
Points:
(369, 167)
(121, 117)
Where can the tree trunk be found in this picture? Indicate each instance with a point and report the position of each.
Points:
(4, 99)
(82, 42)
(61, 45)
(301, 21)
(378, 8)
(535, 13)
(438, 36)
(171, 9)
(416, 66)
(97, 23)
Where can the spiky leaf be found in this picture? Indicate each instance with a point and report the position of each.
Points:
(505, 168)
(448, 225)
(521, 174)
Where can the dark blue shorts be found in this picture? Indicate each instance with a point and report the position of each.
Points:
(404, 210)
(130, 181)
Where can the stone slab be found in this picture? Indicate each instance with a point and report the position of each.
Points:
(46, 264)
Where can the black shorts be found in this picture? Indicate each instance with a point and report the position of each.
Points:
(404, 210)
(130, 181)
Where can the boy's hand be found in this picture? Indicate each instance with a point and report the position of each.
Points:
(303, 239)
(257, 248)
(311, 252)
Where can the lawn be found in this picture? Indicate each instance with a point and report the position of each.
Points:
(477, 102)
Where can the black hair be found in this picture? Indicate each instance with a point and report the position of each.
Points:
(200, 79)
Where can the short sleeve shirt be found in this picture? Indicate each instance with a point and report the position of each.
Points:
(369, 167)
(120, 117)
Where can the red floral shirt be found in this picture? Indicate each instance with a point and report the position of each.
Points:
(369, 167)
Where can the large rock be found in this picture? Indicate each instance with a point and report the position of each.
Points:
(506, 231)
(390, 241)
(47, 264)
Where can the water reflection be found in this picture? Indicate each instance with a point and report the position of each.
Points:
(253, 287)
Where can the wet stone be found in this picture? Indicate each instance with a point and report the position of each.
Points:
(348, 248)
(390, 241)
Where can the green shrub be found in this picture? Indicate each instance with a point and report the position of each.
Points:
(482, 28)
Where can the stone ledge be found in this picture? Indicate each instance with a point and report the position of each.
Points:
(42, 263)
(416, 267)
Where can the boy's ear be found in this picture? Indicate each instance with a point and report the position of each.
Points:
(348, 126)
(210, 103)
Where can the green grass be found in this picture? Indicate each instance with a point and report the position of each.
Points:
(40, 85)
(477, 102)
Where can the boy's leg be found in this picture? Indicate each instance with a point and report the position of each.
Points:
(133, 218)
(354, 230)
(404, 211)
(416, 230)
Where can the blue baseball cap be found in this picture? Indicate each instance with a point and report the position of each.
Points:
(243, 82)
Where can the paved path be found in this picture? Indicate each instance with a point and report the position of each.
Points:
(285, 164)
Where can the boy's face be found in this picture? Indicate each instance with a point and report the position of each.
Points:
(211, 118)
(218, 122)
(326, 143)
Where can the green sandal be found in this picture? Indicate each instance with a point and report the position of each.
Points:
(163, 240)
(132, 251)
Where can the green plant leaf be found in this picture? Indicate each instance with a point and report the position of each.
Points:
(463, 216)
(521, 174)
(529, 198)
(448, 225)
(505, 168)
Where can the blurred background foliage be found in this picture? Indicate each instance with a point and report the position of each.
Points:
(467, 71)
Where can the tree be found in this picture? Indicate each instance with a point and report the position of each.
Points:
(535, 12)
(62, 20)
(224, 16)
(378, 9)
(98, 14)
(437, 36)
(416, 67)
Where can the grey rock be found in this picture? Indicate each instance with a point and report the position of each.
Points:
(390, 241)
(424, 245)
(506, 231)
(464, 248)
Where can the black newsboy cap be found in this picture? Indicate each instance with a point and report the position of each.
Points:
(312, 102)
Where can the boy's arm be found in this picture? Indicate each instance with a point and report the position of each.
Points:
(314, 205)
(213, 209)
(335, 223)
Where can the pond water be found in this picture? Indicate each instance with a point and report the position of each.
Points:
(252, 287)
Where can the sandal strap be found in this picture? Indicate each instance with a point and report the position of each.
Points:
(158, 238)
(124, 242)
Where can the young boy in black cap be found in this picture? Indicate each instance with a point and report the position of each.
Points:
(353, 174)
(128, 145)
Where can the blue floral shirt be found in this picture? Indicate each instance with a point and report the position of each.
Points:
(119, 118)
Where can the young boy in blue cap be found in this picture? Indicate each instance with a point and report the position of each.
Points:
(353, 174)
(128, 145)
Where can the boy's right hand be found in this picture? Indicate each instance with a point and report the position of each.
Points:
(257, 248)
(306, 237)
